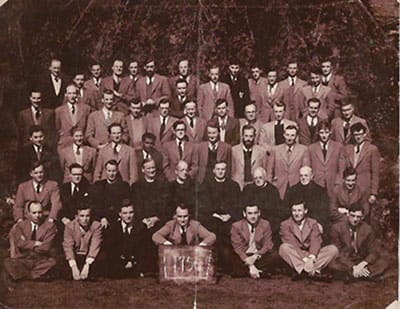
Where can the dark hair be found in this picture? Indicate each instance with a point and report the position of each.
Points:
(135, 101)
(248, 127)
(146, 161)
(181, 80)
(280, 104)
(356, 207)
(111, 162)
(316, 70)
(220, 161)
(292, 127)
(190, 101)
(83, 205)
(75, 165)
(35, 128)
(234, 61)
(177, 123)
(114, 124)
(323, 125)
(213, 123)
(148, 60)
(148, 135)
(358, 126)
(35, 164)
(75, 129)
(107, 91)
(220, 101)
(255, 64)
(125, 202)
(297, 201)
(250, 203)
(164, 100)
(349, 171)
(314, 100)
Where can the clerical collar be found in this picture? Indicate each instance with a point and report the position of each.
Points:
(219, 180)
(180, 181)
(149, 180)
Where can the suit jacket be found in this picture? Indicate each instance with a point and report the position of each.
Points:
(199, 132)
(155, 155)
(96, 93)
(64, 122)
(306, 137)
(308, 239)
(258, 94)
(195, 234)
(126, 89)
(289, 95)
(171, 158)
(177, 106)
(326, 171)
(367, 166)
(267, 132)
(283, 171)
(338, 85)
(155, 125)
(269, 101)
(240, 93)
(257, 125)
(224, 153)
(258, 158)
(240, 237)
(97, 127)
(127, 165)
(49, 197)
(70, 202)
(232, 130)
(88, 244)
(21, 244)
(136, 128)
(49, 97)
(206, 99)
(160, 87)
(326, 97)
(337, 128)
(191, 88)
(67, 157)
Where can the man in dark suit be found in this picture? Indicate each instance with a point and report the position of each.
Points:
(358, 247)
(229, 127)
(95, 84)
(133, 75)
(239, 87)
(258, 92)
(196, 126)
(147, 151)
(179, 99)
(184, 72)
(308, 133)
(137, 124)
(37, 151)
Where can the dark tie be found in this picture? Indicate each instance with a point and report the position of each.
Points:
(78, 150)
(353, 241)
(162, 127)
(278, 133)
(115, 149)
(38, 152)
(180, 149)
(346, 128)
(292, 80)
(37, 113)
(324, 150)
(358, 148)
(146, 156)
(73, 109)
(56, 79)
(183, 237)
(247, 165)
(33, 236)
(214, 91)
(38, 188)
(149, 89)
(325, 81)
(75, 190)
(96, 83)
(191, 122)
(116, 85)
(253, 228)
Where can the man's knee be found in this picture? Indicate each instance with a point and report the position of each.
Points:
(285, 248)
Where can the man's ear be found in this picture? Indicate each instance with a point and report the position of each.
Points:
(244, 214)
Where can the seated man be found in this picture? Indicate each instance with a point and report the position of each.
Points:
(123, 243)
(183, 231)
(82, 242)
(358, 249)
(251, 240)
(30, 243)
(301, 245)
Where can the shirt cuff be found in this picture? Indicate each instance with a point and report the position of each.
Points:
(312, 256)
(72, 263)
(89, 260)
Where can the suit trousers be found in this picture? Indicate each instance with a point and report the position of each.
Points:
(295, 260)
(30, 267)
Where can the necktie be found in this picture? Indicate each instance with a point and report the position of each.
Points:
(33, 236)
(78, 150)
(162, 127)
(191, 123)
(38, 152)
(96, 83)
(222, 124)
(75, 190)
(146, 156)
(289, 151)
(357, 148)
(346, 128)
(183, 237)
(253, 228)
(73, 109)
(180, 149)
(292, 80)
(37, 113)
(354, 240)
(325, 81)
(108, 115)
(56, 79)
(215, 92)
(38, 187)
(324, 150)
(213, 147)
(115, 149)
(314, 89)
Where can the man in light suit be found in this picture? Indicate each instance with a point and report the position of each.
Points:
(285, 161)
(246, 157)
(315, 90)
(301, 246)
(160, 124)
(229, 127)
(148, 151)
(177, 150)
(151, 87)
(70, 115)
(35, 115)
(78, 153)
(210, 152)
(273, 94)
(37, 189)
(98, 122)
(271, 133)
(121, 153)
(291, 87)
(95, 84)
(183, 231)
(184, 72)
(196, 126)
(137, 124)
(324, 157)
(123, 89)
(365, 159)
(210, 92)
(341, 125)
(82, 244)
(250, 117)
(308, 124)
(258, 91)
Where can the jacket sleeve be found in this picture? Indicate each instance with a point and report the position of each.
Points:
(267, 244)
(159, 237)
(238, 244)
(91, 131)
(55, 202)
(97, 239)
(19, 205)
(47, 240)
(69, 242)
(207, 237)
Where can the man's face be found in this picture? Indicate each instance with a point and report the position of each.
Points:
(212, 134)
(182, 216)
(180, 131)
(190, 109)
(355, 217)
(252, 214)
(96, 70)
(248, 138)
(118, 67)
(272, 76)
(181, 88)
(279, 112)
(183, 68)
(298, 212)
(37, 174)
(292, 69)
(350, 182)
(136, 109)
(234, 69)
(214, 75)
(256, 73)
(111, 172)
(108, 100)
(347, 111)
(221, 110)
(37, 138)
(79, 80)
(258, 177)
(149, 170)
(76, 175)
(290, 136)
(313, 109)
(326, 68)
(305, 176)
(36, 213)
(324, 135)
(126, 214)
(35, 98)
(83, 217)
(148, 144)
(133, 68)
(220, 171)
(250, 112)
(359, 136)
(182, 171)
(71, 94)
(150, 68)
(164, 109)
(315, 79)
(78, 137)
(116, 134)
(55, 67)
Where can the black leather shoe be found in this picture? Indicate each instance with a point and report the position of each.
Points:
(322, 277)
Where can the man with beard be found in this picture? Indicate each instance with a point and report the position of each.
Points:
(84, 95)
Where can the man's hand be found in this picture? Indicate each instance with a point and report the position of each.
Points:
(51, 220)
(226, 218)
(65, 220)
(153, 221)
(203, 244)
(117, 94)
(85, 271)
(75, 272)
(250, 260)
(167, 243)
(128, 265)
(372, 199)
(37, 243)
(321, 229)
(254, 272)
(360, 270)
(309, 264)
(104, 223)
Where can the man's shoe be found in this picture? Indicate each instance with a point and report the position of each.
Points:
(322, 277)
(297, 277)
